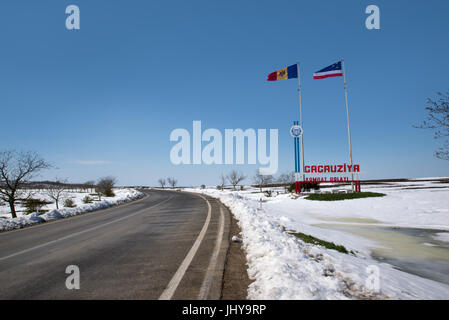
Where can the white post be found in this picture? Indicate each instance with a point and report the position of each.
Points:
(300, 121)
(349, 128)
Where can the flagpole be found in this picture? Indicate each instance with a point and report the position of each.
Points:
(349, 128)
(300, 121)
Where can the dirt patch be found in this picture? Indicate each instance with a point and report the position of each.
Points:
(235, 277)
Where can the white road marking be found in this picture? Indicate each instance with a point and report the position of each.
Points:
(167, 294)
(81, 232)
(205, 287)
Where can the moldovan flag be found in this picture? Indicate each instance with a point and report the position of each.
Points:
(286, 73)
(331, 71)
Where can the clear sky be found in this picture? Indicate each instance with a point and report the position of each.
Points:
(104, 99)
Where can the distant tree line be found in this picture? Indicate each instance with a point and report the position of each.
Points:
(17, 171)
(234, 178)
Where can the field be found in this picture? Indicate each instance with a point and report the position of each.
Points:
(404, 235)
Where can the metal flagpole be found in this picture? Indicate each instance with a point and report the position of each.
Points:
(300, 121)
(349, 128)
(296, 153)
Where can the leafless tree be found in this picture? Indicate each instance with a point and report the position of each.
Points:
(105, 185)
(162, 182)
(438, 120)
(16, 170)
(88, 185)
(172, 182)
(262, 180)
(235, 177)
(57, 191)
(286, 179)
(222, 181)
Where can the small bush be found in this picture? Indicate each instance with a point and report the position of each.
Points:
(305, 186)
(68, 203)
(268, 193)
(35, 205)
(87, 199)
(203, 186)
(109, 193)
(105, 185)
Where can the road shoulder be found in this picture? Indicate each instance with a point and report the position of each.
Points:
(235, 277)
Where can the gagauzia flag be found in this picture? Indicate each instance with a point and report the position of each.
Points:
(286, 73)
(331, 71)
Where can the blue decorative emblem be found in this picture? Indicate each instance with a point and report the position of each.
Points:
(296, 131)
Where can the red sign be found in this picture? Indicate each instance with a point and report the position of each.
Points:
(339, 168)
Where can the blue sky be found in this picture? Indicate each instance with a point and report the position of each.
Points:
(103, 100)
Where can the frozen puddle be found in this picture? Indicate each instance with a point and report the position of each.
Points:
(350, 220)
(418, 251)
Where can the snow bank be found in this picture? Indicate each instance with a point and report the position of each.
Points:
(281, 269)
(284, 267)
(121, 196)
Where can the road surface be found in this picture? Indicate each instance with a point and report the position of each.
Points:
(169, 245)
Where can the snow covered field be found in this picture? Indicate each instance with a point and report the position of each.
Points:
(7, 223)
(284, 267)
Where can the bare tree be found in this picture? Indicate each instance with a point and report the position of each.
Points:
(262, 180)
(286, 179)
(172, 182)
(16, 170)
(222, 181)
(105, 185)
(88, 185)
(57, 191)
(162, 182)
(438, 120)
(235, 177)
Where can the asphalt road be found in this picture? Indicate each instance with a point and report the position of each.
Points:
(169, 245)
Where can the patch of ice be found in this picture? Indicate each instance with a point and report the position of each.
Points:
(442, 236)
